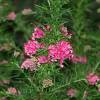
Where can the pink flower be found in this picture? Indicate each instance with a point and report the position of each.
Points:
(92, 78)
(38, 33)
(80, 59)
(71, 92)
(31, 47)
(65, 32)
(30, 64)
(48, 28)
(12, 90)
(60, 51)
(42, 45)
(11, 16)
(42, 59)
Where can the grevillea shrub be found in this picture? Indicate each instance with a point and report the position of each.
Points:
(57, 52)
(50, 54)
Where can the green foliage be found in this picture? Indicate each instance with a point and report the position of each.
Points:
(71, 13)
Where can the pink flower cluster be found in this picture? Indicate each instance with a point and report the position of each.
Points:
(11, 16)
(80, 59)
(12, 90)
(29, 64)
(71, 92)
(92, 78)
(31, 47)
(56, 52)
(60, 51)
(42, 59)
(38, 33)
(65, 31)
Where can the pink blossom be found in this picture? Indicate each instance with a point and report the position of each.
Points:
(42, 45)
(71, 92)
(30, 64)
(11, 16)
(92, 78)
(65, 31)
(31, 47)
(60, 51)
(12, 90)
(38, 33)
(42, 59)
(80, 59)
(48, 28)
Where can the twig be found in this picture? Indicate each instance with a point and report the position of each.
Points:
(67, 84)
(98, 63)
(28, 78)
